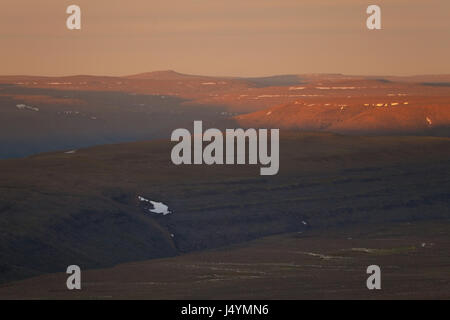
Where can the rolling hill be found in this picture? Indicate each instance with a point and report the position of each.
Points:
(83, 207)
(39, 114)
(371, 115)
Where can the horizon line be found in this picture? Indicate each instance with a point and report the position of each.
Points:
(222, 76)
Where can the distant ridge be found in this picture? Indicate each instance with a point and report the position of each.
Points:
(165, 75)
(258, 81)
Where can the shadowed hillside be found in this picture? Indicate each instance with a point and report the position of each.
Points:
(314, 264)
(83, 208)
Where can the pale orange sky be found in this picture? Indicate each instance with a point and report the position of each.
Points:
(224, 37)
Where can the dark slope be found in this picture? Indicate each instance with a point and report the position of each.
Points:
(312, 265)
(58, 209)
(34, 120)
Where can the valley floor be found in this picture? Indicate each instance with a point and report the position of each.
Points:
(316, 264)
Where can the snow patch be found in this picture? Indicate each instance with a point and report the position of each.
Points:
(305, 95)
(25, 107)
(336, 88)
(397, 94)
(343, 88)
(269, 96)
(158, 207)
(297, 88)
(318, 255)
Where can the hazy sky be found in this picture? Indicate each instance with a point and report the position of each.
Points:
(224, 37)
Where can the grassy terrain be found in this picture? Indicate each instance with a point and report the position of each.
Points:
(326, 264)
(58, 209)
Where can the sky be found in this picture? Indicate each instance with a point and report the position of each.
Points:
(225, 37)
